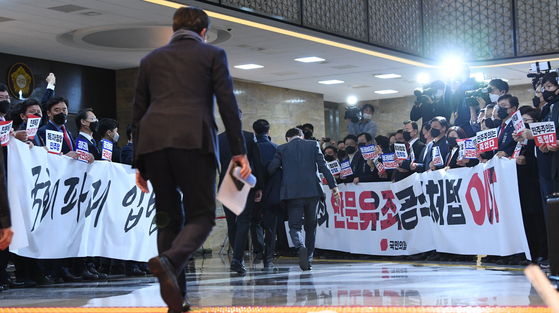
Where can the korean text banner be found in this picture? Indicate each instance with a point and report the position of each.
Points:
(64, 208)
(471, 211)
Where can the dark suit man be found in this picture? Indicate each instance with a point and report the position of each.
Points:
(364, 172)
(57, 110)
(507, 106)
(87, 124)
(300, 161)
(415, 147)
(126, 151)
(239, 226)
(175, 143)
(424, 163)
(354, 155)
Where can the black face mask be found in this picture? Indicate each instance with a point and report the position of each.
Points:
(94, 126)
(536, 101)
(4, 106)
(407, 136)
(451, 142)
(341, 154)
(435, 132)
(307, 134)
(362, 144)
(60, 118)
(350, 149)
(497, 123)
(548, 95)
(502, 113)
(527, 125)
(329, 158)
(489, 123)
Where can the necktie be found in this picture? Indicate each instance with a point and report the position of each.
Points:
(68, 142)
(502, 130)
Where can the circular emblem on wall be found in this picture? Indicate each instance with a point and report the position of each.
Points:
(20, 81)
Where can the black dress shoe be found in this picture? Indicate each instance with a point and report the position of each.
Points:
(303, 259)
(185, 306)
(55, 279)
(87, 275)
(92, 270)
(268, 264)
(135, 272)
(8, 283)
(43, 280)
(143, 266)
(166, 274)
(27, 282)
(236, 266)
(69, 278)
(258, 258)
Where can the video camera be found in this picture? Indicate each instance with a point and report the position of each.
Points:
(421, 93)
(538, 70)
(354, 113)
(482, 90)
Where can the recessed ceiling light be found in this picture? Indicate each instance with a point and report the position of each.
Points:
(248, 66)
(387, 76)
(351, 100)
(385, 92)
(310, 59)
(331, 82)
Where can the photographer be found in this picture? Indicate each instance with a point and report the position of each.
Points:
(430, 102)
(360, 120)
(460, 102)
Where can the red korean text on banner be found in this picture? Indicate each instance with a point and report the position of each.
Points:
(33, 123)
(388, 161)
(544, 133)
(107, 149)
(368, 152)
(487, 140)
(346, 169)
(517, 149)
(517, 121)
(82, 150)
(5, 128)
(379, 165)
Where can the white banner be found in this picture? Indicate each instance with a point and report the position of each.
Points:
(65, 208)
(472, 211)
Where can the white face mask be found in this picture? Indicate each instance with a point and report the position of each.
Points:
(367, 116)
(494, 98)
(439, 93)
(115, 137)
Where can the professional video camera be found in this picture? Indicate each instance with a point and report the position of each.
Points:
(482, 90)
(538, 70)
(354, 113)
(421, 93)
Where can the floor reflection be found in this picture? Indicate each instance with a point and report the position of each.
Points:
(331, 283)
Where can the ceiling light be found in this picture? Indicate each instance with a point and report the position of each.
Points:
(478, 76)
(331, 82)
(385, 92)
(351, 100)
(248, 66)
(387, 76)
(310, 60)
(423, 78)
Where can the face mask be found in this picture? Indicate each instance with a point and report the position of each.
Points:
(527, 125)
(94, 126)
(60, 118)
(494, 98)
(497, 123)
(407, 136)
(362, 144)
(307, 134)
(451, 142)
(4, 106)
(329, 158)
(548, 95)
(439, 93)
(367, 116)
(536, 101)
(341, 154)
(502, 113)
(435, 132)
(115, 137)
(489, 123)
(350, 149)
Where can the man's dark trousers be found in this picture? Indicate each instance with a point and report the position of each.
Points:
(296, 208)
(238, 227)
(194, 173)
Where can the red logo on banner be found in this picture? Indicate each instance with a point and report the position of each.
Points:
(384, 244)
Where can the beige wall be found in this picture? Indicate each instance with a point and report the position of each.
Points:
(391, 113)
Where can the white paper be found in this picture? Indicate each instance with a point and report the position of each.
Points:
(230, 196)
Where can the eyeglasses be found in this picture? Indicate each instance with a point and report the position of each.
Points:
(5, 98)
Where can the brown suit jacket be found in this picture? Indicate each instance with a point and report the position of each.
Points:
(173, 104)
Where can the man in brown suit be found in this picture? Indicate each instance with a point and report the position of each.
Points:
(176, 146)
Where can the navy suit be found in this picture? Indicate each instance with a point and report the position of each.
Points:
(354, 167)
(91, 147)
(506, 142)
(301, 160)
(417, 147)
(40, 137)
(126, 154)
(423, 163)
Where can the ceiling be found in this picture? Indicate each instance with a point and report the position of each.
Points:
(116, 34)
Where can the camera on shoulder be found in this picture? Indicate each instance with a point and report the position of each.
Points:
(353, 113)
(482, 90)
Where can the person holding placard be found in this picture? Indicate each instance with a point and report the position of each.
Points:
(364, 172)
(57, 110)
(176, 145)
(87, 123)
(438, 129)
(30, 109)
(108, 130)
(414, 148)
(453, 159)
(354, 156)
(507, 106)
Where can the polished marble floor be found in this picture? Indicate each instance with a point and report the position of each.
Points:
(331, 283)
